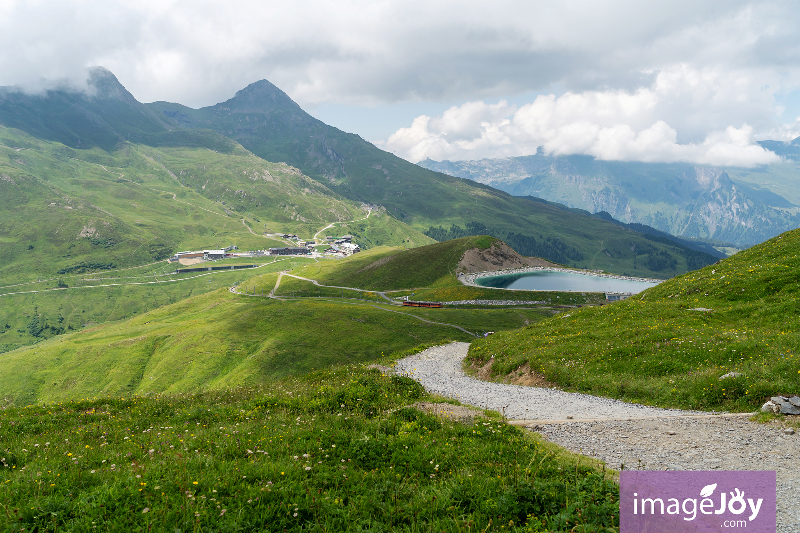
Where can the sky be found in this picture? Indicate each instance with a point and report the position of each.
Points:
(695, 81)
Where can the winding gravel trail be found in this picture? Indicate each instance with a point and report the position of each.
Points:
(439, 370)
(620, 433)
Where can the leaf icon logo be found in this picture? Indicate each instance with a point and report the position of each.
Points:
(708, 490)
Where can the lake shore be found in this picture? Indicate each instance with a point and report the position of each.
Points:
(470, 279)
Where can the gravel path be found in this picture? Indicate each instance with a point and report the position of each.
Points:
(439, 370)
(622, 433)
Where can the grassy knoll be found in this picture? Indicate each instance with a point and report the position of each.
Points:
(218, 340)
(334, 451)
(35, 311)
(669, 345)
(387, 269)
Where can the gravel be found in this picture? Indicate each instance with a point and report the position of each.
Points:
(439, 370)
(620, 433)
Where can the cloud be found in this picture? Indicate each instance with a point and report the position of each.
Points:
(199, 52)
(609, 125)
(700, 66)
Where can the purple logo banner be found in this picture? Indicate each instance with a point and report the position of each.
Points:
(700, 502)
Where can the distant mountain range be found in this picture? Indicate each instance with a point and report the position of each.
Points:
(261, 120)
(739, 206)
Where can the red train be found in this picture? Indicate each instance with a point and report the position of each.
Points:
(409, 303)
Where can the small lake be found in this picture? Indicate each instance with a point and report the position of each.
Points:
(563, 281)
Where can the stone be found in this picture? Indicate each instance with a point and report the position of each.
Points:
(795, 400)
(788, 431)
(778, 400)
(731, 375)
(670, 433)
(789, 409)
(770, 407)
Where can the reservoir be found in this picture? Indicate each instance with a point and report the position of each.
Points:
(563, 281)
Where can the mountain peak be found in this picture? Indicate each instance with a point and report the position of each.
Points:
(105, 86)
(259, 97)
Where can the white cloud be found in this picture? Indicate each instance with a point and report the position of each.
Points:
(609, 125)
(613, 69)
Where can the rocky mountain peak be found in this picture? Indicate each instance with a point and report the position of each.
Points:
(708, 178)
(259, 97)
(106, 86)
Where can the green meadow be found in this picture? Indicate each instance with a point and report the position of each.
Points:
(219, 340)
(670, 345)
(336, 450)
(35, 311)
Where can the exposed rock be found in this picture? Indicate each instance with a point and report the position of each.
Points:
(525, 376)
(770, 407)
(789, 409)
(499, 256)
(788, 431)
(782, 404)
(731, 375)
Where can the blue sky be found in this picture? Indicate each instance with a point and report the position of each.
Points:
(696, 81)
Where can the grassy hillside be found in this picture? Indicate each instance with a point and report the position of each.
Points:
(62, 207)
(267, 122)
(670, 345)
(35, 311)
(71, 217)
(426, 266)
(219, 340)
(336, 451)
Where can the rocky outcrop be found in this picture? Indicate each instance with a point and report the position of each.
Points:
(499, 256)
(787, 405)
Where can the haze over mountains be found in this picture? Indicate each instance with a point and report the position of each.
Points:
(741, 206)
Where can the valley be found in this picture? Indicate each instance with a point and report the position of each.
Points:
(266, 395)
(735, 205)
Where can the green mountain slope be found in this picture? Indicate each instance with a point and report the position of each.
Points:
(267, 122)
(72, 221)
(670, 345)
(103, 115)
(61, 208)
(220, 340)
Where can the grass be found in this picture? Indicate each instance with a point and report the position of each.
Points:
(391, 269)
(35, 311)
(338, 450)
(218, 340)
(670, 345)
(60, 207)
(65, 212)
